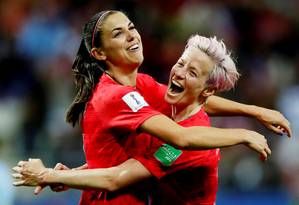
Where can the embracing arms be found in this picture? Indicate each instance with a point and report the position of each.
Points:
(203, 137)
(271, 119)
(34, 173)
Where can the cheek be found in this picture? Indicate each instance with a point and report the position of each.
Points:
(138, 35)
(194, 86)
(172, 71)
(116, 42)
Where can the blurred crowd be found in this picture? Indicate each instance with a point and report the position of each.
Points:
(38, 42)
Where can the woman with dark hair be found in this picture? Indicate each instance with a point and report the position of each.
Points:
(116, 103)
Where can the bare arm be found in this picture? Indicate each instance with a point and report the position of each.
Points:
(58, 187)
(203, 137)
(33, 173)
(271, 119)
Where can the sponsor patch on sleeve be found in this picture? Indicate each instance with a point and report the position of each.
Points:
(167, 154)
(135, 101)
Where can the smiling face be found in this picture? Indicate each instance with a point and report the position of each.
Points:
(122, 46)
(188, 78)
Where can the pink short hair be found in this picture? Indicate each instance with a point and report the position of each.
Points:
(224, 75)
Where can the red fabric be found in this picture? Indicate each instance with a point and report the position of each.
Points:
(108, 125)
(192, 178)
(153, 93)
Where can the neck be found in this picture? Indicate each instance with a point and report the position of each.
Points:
(180, 114)
(123, 76)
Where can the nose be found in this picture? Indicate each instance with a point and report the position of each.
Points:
(130, 36)
(180, 73)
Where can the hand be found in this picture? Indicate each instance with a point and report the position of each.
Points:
(273, 120)
(54, 187)
(58, 187)
(258, 143)
(29, 173)
(84, 166)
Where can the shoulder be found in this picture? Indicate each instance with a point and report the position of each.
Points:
(115, 95)
(111, 91)
(200, 118)
(142, 77)
(145, 81)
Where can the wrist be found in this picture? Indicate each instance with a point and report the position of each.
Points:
(47, 176)
(245, 136)
(251, 110)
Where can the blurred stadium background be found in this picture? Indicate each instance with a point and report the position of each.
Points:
(39, 39)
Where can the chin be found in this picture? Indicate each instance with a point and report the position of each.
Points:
(171, 100)
(134, 65)
(137, 59)
(140, 58)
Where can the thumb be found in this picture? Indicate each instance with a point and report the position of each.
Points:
(84, 166)
(38, 189)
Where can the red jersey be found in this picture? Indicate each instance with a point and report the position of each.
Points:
(186, 177)
(112, 116)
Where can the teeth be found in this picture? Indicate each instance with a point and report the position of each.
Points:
(133, 47)
(177, 84)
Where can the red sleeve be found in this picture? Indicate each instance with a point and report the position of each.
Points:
(164, 159)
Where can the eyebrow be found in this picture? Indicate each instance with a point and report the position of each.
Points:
(180, 59)
(119, 28)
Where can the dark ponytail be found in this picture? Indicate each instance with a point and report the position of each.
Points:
(86, 69)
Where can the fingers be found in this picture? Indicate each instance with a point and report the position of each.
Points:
(265, 152)
(58, 188)
(263, 158)
(17, 176)
(276, 129)
(285, 128)
(275, 121)
(38, 189)
(279, 129)
(268, 150)
(18, 183)
(284, 125)
(60, 166)
(260, 145)
(17, 169)
(84, 166)
(264, 155)
(21, 163)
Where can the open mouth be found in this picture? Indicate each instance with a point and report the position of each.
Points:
(175, 87)
(133, 47)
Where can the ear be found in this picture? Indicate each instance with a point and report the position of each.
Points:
(98, 54)
(208, 92)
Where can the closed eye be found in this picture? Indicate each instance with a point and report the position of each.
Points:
(116, 34)
(180, 64)
(193, 74)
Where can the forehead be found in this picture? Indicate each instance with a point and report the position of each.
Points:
(197, 59)
(114, 21)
